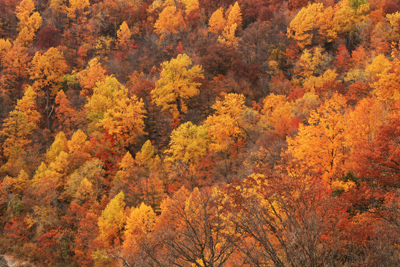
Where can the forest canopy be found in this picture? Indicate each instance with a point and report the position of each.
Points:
(200, 132)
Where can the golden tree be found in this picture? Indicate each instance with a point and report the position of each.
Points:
(177, 84)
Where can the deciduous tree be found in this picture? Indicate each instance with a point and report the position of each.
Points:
(177, 84)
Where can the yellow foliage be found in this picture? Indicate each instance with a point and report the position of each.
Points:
(189, 144)
(77, 6)
(393, 20)
(378, 65)
(169, 21)
(191, 5)
(302, 26)
(387, 88)
(326, 22)
(140, 221)
(147, 157)
(16, 131)
(309, 62)
(303, 106)
(5, 46)
(90, 76)
(78, 142)
(16, 185)
(105, 97)
(47, 69)
(85, 191)
(313, 82)
(345, 17)
(28, 105)
(56, 148)
(112, 220)
(177, 84)
(29, 21)
(235, 16)
(365, 121)
(217, 21)
(228, 124)
(228, 35)
(321, 146)
(123, 36)
(125, 120)
(275, 107)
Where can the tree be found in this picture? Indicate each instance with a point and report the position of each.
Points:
(56, 147)
(112, 221)
(123, 37)
(88, 77)
(19, 125)
(288, 221)
(111, 225)
(302, 26)
(387, 88)
(29, 21)
(235, 16)
(188, 145)
(14, 62)
(139, 225)
(125, 121)
(217, 21)
(46, 71)
(111, 109)
(105, 96)
(177, 83)
(28, 105)
(193, 229)
(228, 35)
(275, 109)
(65, 115)
(378, 161)
(227, 126)
(77, 8)
(169, 21)
(322, 145)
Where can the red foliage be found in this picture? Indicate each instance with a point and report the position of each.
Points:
(379, 162)
(48, 37)
(342, 60)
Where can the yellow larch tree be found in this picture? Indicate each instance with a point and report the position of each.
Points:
(124, 37)
(322, 145)
(29, 21)
(228, 124)
(111, 109)
(189, 144)
(105, 96)
(28, 105)
(302, 26)
(55, 149)
(276, 108)
(217, 21)
(20, 123)
(125, 121)
(46, 71)
(387, 88)
(235, 16)
(228, 35)
(90, 76)
(139, 224)
(169, 21)
(112, 221)
(78, 142)
(177, 84)
(191, 6)
(77, 7)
